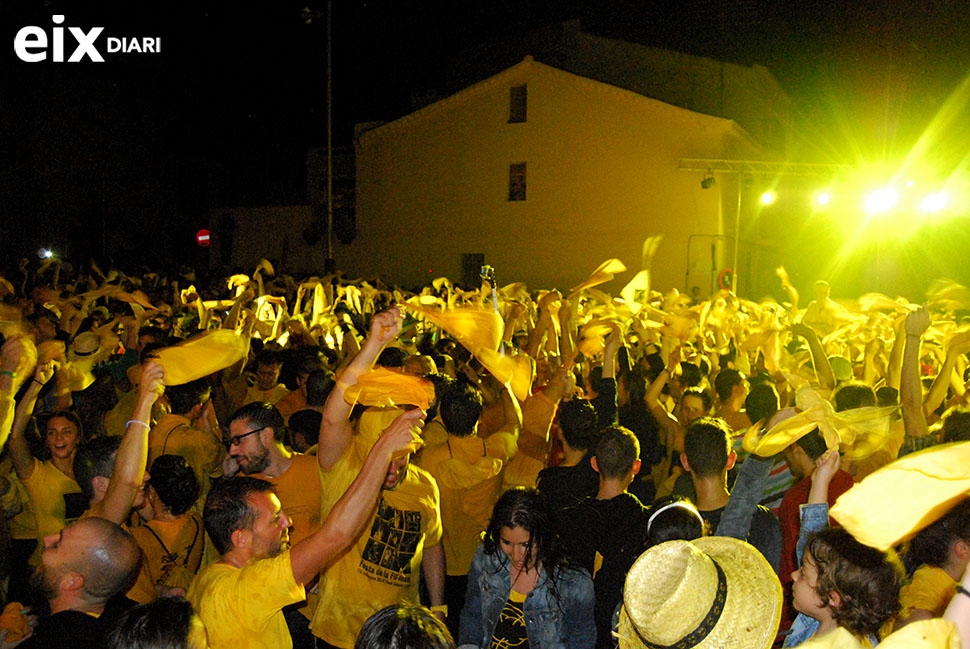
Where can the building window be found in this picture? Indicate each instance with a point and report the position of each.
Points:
(518, 103)
(517, 182)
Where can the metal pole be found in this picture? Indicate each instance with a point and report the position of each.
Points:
(737, 236)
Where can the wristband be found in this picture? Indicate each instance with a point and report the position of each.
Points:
(12, 375)
(135, 421)
(443, 608)
(962, 590)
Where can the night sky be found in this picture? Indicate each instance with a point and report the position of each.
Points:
(129, 155)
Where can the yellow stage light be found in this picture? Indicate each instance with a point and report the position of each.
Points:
(823, 198)
(935, 202)
(882, 200)
(768, 198)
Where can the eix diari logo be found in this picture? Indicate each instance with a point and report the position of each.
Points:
(31, 44)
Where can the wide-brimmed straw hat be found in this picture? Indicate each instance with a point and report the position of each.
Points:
(710, 592)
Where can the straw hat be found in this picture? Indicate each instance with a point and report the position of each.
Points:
(710, 592)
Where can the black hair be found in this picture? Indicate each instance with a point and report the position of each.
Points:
(404, 626)
(850, 396)
(761, 402)
(669, 523)
(707, 444)
(227, 508)
(460, 407)
(725, 382)
(813, 444)
(578, 422)
(525, 508)
(259, 414)
(161, 624)
(616, 451)
(887, 396)
(95, 458)
(932, 545)
(307, 423)
(701, 394)
(956, 425)
(175, 483)
(319, 384)
(268, 357)
(184, 397)
(691, 375)
(392, 357)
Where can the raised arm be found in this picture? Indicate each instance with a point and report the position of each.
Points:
(910, 388)
(673, 431)
(823, 369)
(354, 508)
(128, 473)
(23, 462)
(16, 358)
(335, 430)
(957, 348)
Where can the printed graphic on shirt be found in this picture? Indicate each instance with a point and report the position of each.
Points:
(393, 541)
(510, 631)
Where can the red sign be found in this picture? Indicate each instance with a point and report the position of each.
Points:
(202, 237)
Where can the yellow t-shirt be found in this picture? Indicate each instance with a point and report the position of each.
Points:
(242, 607)
(468, 471)
(183, 537)
(931, 589)
(174, 435)
(46, 488)
(299, 491)
(383, 566)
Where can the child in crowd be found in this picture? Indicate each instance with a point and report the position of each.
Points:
(841, 582)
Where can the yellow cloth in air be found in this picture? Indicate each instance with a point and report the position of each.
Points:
(468, 471)
(242, 607)
(931, 589)
(178, 537)
(46, 488)
(898, 500)
(383, 566)
(202, 355)
(299, 491)
(386, 388)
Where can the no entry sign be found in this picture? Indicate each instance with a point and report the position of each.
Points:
(202, 237)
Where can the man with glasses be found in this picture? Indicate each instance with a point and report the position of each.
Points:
(256, 435)
(240, 598)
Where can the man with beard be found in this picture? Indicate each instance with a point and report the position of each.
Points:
(82, 570)
(256, 434)
(402, 540)
(240, 598)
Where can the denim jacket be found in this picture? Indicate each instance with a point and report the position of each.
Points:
(550, 624)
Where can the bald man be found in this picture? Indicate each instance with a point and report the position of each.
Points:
(82, 570)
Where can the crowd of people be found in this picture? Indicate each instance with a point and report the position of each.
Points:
(268, 461)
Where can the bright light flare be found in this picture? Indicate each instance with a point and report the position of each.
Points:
(823, 198)
(882, 200)
(935, 202)
(45, 253)
(768, 198)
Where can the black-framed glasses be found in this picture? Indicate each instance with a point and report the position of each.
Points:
(236, 440)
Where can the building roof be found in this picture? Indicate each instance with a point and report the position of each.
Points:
(529, 68)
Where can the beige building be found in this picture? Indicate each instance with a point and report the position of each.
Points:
(543, 174)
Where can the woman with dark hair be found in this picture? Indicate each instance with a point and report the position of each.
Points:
(936, 560)
(673, 518)
(404, 626)
(521, 592)
(172, 541)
